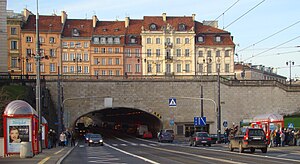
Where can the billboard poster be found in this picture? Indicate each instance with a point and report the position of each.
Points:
(18, 130)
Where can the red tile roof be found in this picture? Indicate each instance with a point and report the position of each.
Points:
(46, 23)
(84, 26)
(135, 26)
(111, 28)
(173, 21)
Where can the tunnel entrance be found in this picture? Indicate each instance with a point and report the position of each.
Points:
(124, 120)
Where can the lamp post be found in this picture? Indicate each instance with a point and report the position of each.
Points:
(219, 104)
(290, 63)
(76, 60)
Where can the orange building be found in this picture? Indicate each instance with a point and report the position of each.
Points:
(50, 28)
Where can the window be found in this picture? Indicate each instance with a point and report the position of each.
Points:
(168, 40)
(181, 27)
(209, 53)
(86, 69)
(86, 56)
(96, 61)
(187, 41)
(187, 52)
(13, 31)
(52, 67)
(110, 50)
(118, 72)
(218, 53)
(14, 62)
(52, 53)
(86, 44)
(168, 68)
(41, 39)
(200, 53)
(102, 40)
(28, 39)
(178, 52)
(137, 53)
(187, 68)
(177, 40)
(127, 52)
(103, 72)
(65, 69)
(117, 40)
(218, 67)
(157, 52)
(157, 40)
(42, 67)
(72, 44)
(96, 40)
(78, 45)
(148, 40)
(200, 39)
(218, 38)
(152, 26)
(227, 53)
(137, 68)
(28, 52)
(78, 56)
(158, 68)
(103, 61)
(65, 44)
(168, 53)
(103, 50)
(29, 67)
(110, 40)
(200, 68)
(51, 40)
(133, 39)
(117, 61)
(117, 50)
(72, 69)
(128, 67)
(227, 68)
(13, 45)
(149, 68)
(178, 67)
(149, 52)
(96, 50)
(110, 72)
(110, 61)
(42, 52)
(72, 56)
(208, 68)
(65, 57)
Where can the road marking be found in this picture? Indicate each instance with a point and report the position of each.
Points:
(136, 156)
(59, 151)
(44, 160)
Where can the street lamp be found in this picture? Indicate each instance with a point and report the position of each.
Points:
(290, 63)
(219, 104)
(76, 60)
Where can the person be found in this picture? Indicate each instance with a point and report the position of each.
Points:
(73, 139)
(50, 139)
(14, 135)
(282, 138)
(62, 139)
(297, 136)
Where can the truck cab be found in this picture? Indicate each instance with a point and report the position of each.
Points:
(253, 138)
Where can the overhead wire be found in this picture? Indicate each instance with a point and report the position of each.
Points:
(270, 36)
(245, 14)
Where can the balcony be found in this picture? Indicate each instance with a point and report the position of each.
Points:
(168, 45)
(169, 58)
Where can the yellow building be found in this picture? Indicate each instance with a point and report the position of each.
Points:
(16, 64)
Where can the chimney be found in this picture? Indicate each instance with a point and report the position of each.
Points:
(193, 15)
(63, 17)
(127, 19)
(164, 15)
(26, 14)
(95, 19)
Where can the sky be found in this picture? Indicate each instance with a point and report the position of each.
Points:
(266, 32)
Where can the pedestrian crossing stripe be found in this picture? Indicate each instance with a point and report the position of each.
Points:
(172, 102)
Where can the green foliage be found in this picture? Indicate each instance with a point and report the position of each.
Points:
(295, 120)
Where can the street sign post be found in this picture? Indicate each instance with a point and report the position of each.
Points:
(199, 121)
(172, 102)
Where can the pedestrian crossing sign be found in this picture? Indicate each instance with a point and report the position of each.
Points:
(172, 102)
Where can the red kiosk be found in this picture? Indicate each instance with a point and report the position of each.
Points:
(268, 122)
(45, 130)
(20, 124)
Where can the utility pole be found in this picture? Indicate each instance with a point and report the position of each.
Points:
(219, 106)
(290, 63)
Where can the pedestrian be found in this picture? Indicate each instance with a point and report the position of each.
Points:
(277, 138)
(50, 135)
(282, 138)
(54, 138)
(62, 139)
(73, 139)
(297, 136)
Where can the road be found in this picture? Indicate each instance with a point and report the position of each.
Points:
(124, 149)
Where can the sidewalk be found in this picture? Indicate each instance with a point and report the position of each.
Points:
(48, 156)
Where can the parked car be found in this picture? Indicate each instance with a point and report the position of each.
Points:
(214, 138)
(95, 139)
(254, 138)
(200, 138)
(165, 136)
(147, 134)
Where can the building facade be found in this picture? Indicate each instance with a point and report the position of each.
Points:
(3, 37)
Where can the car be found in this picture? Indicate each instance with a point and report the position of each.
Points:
(200, 138)
(95, 139)
(165, 136)
(214, 138)
(87, 137)
(254, 138)
(147, 134)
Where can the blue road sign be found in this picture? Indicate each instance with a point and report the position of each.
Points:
(171, 122)
(225, 123)
(172, 102)
(291, 125)
(202, 121)
(196, 121)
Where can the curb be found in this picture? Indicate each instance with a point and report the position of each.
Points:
(63, 157)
